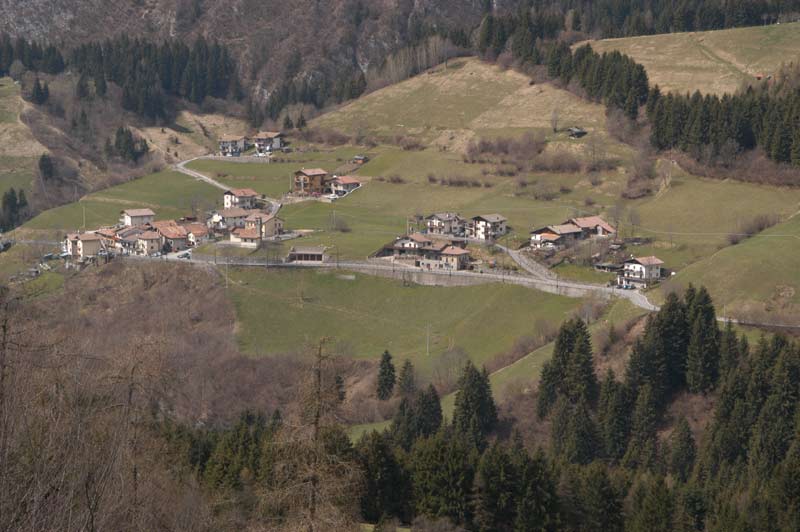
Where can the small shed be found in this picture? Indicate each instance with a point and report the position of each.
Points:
(307, 254)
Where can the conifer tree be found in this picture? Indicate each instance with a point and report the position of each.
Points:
(386, 377)
(301, 122)
(652, 508)
(46, 169)
(475, 413)
(287, 123)
(496, 484)
(613, 413)
(642, 449)
(385, 491)
(682, 451)
(406, 383)
(600, 502)
(702, 360)
(580, 440)
(729, 350)
(537, 504)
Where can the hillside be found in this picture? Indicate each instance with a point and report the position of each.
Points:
(710, 61)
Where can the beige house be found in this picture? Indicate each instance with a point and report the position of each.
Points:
(593, 226)
(267, 225)
(228, 219)
(445, 223)
(344, 184)
(555, 236)
(267, 141)
(245, 237)
(83, 245)
(175, 236)
(196, 233)
(131, 217)
(148, 243)
(244, 198)
(311, 181)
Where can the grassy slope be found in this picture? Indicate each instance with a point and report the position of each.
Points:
(714, 61)
(18, 149)
(758, 274)
(169, 194)
(280, 311)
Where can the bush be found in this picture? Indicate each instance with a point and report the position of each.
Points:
(396, 180)
(432, 178)
(753, 227)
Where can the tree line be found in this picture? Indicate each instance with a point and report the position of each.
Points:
(31, 54)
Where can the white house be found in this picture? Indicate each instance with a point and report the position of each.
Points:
(131, 217)
(486, 227)
(445, 223)
(148, 243)
(640, 271)
(344, 184)
(244, 237)
(244, 198)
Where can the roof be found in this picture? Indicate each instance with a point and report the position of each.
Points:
(312, 171)
(268, 134)
(647, 261)
(590, 222)
(233, 212)
(347, 180)
(138, 212)
(196, 228)
(550, 237)
(173, 231)
(255, 216)
(246, 233)
(129, 231)
(107, 232)
(307, 250)
(491, 218)
(563, 229)
(452, 250)
(444, 216)
(242, 192)
(149, 235)
(157, 225)
(83, 236)
(419, 237)
(231, 138)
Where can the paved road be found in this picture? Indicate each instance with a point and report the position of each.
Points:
(275, 205)
(528, 264)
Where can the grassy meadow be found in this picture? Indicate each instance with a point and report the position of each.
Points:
(710, 61)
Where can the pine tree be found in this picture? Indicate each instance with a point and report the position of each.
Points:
(46, 168)
(385, 490)
(39, 93)
(496, 485)
(682, 451)
(702, 361)
(386, 377)
(580, 380)
(642, 449)
(600, 502)
(475, 413)
(406, 383)
(613, 413)
(652, 508)
(428, 411)
(580, 441)
(537, 504)
(729, 347)
(287, 123)
(301, 122)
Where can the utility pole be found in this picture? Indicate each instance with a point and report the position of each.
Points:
(428, 340)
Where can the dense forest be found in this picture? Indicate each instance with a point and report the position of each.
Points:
(606, 466)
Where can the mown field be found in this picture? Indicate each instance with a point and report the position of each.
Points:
(279, 312)
(711, 61)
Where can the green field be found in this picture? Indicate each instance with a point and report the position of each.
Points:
(758, 278)
(169, 194)
(280, 311)
(711, 61)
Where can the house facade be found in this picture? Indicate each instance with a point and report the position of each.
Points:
(244, 198)
(232, 144)
(427, 253)
(266, 225)
(228, 219)
(640, 272)
(555, 236)
(267, 141)
(445, 223)
(148, 243)
(83, 245)
(245, 237)
(486, 227)
(311, 181)
(176, 237)
(343, 185)
(131, 217)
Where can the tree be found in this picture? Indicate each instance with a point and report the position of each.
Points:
(536, 497)
(702, 359)
(40, 92)
(385, 491)
(554, 120)
(287, 123)
(46, 169)
(613, 414)
(407, 381)
(642, 449)
(386, 377)
(652, 507)
(475, 413)
(580, 441)
(301, 122)
(600, 502)
(496, 485)
(682, 451)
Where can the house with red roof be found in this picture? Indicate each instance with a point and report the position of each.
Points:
(311, 181)
(244, 198)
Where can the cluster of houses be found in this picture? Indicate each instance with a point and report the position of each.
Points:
(265, 142)
(318, 182)
(484, 227)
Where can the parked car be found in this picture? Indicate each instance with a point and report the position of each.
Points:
(185, 255)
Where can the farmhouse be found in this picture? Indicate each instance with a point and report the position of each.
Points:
(486, 227)
(127, 239)
(131, 217)
(307, 254)
(311, 181)
(640, 272)
(593, 226)
(344, 184)
(196, 233)
(555, 236)
(148, 243)
(266, 225)
(445, 223)
(244, 198)
(175, 237)
(267, 141)
(232, 144)
(83, 245)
